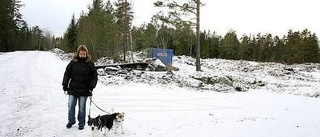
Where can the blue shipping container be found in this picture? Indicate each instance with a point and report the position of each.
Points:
(165, 55)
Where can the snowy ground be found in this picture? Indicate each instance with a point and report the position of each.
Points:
(33, 103)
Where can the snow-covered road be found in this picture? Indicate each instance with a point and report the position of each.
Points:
(33, 104)
(31, 95)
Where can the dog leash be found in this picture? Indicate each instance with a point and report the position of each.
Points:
(96, 106)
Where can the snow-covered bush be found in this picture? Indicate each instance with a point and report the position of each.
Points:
(61, 54)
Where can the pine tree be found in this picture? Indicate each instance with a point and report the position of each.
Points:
(10, 22)
(97, 30)
(70, 36)
(309, 47)
(205, 44)
(137, 34)
(184, 42)
(24, 39)
(112, 34)
(124, 17)
(149, 36)
(265, 50)
(37, 38)
(176, 14)
(292, 48)
(277, 50)
(164, 36)
(215, 45)
(230, 46)
(260, 46)
(253, 48)
(244, 53)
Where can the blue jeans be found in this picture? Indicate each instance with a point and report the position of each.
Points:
(82, 109)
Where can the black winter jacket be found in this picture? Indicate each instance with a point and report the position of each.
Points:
(80, 77)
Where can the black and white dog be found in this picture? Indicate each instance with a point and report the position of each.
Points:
(106, 122)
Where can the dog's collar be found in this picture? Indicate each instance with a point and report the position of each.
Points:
(118, 121)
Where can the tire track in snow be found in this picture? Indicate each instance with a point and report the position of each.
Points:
(2, 61)
(30, 94)
(46, 73)
(15, 98)
(157, 101)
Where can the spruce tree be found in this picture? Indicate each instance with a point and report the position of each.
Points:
(124, 17)
(10, 22)
(244, 53)
(70, 36)
(230, 46)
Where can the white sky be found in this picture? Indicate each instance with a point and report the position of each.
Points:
(243, 16)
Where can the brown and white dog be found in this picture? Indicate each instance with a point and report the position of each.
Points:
(118, 122)
(106, 122)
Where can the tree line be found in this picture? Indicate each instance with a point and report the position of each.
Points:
(295, 47)
(15, 34)
(107, 30)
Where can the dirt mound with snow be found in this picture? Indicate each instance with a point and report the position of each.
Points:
(217, 75)
(227, 76)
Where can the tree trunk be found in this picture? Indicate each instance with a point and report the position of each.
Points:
(198, 66)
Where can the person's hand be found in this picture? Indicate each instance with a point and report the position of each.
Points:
(65, 88)
(91, 89)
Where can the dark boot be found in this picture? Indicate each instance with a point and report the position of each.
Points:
(81, 127)
(69, 125)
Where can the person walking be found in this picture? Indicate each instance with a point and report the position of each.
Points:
(79, 80)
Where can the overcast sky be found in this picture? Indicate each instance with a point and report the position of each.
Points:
(243, 16)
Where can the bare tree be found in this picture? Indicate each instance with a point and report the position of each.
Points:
(48, 43)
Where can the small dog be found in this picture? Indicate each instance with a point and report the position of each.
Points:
(119, 122)
(106, 122)
(95, 124)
